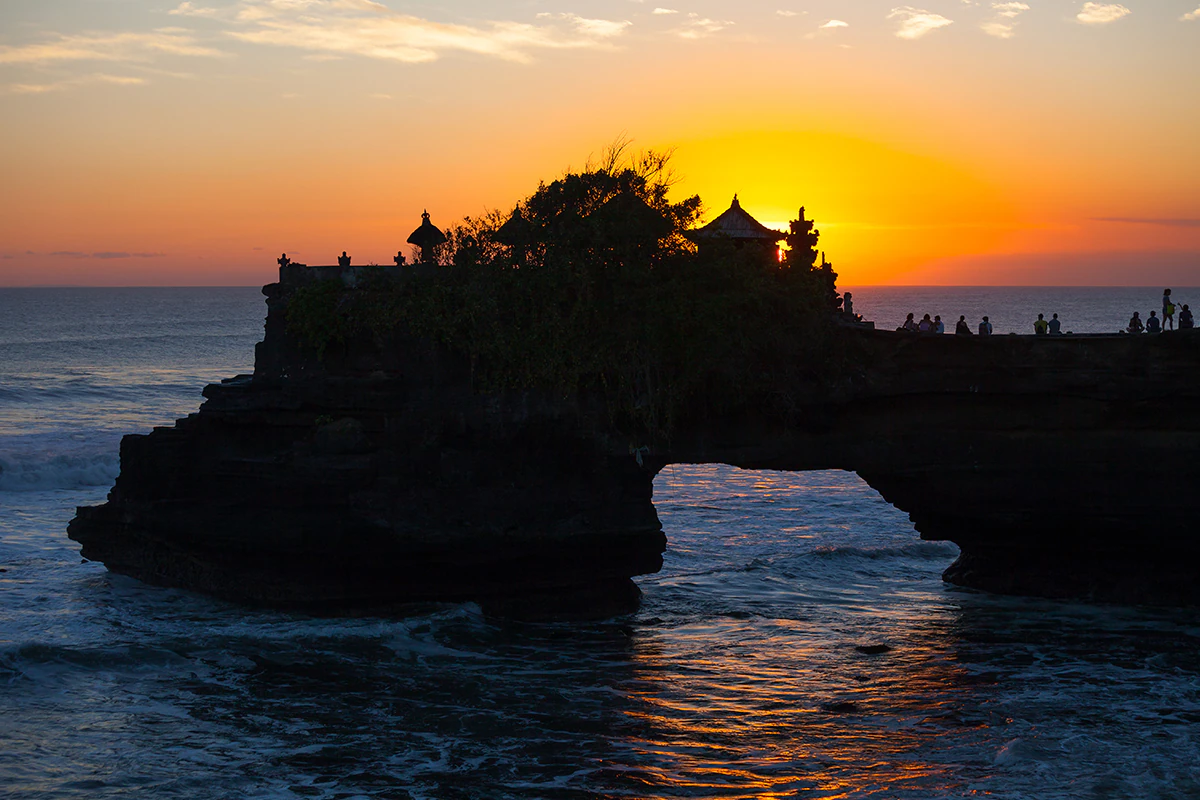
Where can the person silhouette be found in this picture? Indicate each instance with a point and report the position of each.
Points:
(961, 328)
(343, 260)
(985, 327)
(1055, 326)
(1186, 320)
(1135, 324)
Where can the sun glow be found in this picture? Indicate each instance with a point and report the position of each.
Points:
(880, 210)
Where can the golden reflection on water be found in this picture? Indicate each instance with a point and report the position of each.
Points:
(779, 703)
(812, 721)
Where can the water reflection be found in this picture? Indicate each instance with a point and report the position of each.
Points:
(740, 677)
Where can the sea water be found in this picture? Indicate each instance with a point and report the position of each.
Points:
(739, 677)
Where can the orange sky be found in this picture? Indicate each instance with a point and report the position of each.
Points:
(1050, 142)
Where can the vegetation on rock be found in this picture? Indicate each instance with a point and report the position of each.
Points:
(596, 282)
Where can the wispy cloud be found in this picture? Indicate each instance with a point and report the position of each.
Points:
(698, 27)
(1003, 23)
(916, 22)
(1162, 221)
(834, 23)
(124, 47)
(1101, 13)
(1191, 16)
(336, 28)
(105, 255)
(662, 11)
(785, 13)
(70, 83)
(189, 9)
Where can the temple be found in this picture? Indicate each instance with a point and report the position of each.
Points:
(736, 223)
(427, 237)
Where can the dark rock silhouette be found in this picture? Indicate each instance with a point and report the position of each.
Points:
(380, 475)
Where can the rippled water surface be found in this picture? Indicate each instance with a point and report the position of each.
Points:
(739, 677)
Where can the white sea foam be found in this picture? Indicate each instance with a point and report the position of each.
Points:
(39, 472)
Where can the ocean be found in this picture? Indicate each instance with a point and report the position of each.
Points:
(739, 676)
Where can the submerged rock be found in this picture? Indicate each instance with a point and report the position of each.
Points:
(873, 649)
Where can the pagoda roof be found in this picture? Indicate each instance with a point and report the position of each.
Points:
(736, 223)
(428, 234)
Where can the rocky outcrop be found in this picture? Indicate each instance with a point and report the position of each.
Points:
(1061, 466)
(378, 475)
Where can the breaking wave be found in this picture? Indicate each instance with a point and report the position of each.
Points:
(39, 473)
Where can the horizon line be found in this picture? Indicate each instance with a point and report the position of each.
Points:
(848, 285)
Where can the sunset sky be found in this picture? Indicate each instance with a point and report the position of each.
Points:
(154, 142)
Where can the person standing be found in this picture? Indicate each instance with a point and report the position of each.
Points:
(1055, 326)
(985, 327)
(1168, 317)
(1040, 326)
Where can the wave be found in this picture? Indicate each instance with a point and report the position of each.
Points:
(927, 551)
(36, 474)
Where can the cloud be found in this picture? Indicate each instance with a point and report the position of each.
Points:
(916, 22)
(785, 13)
(1003, 22)
(70, 83)
(835, 23)
(1191, 16)
(698, 27)
(123, 47)
(1162, 221)
(189, 9)
(664, 11)
(1101, 13)
(331, 29)
(599, 28)
(105, 255)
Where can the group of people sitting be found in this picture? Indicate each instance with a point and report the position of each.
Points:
(1047, 327)
(935, 325)
(1154, 324)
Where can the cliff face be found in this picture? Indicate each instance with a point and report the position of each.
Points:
(1060, 466)
(377, 476)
